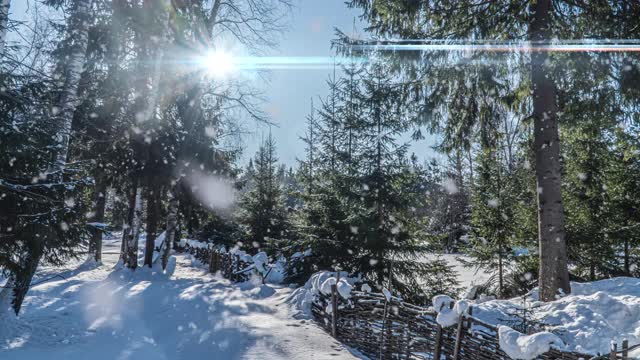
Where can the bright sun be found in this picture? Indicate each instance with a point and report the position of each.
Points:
(219, 64)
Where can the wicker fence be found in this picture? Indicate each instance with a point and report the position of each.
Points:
(229, 265)
(392, 329)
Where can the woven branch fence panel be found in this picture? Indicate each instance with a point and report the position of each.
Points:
(229, 265)
(393, 329)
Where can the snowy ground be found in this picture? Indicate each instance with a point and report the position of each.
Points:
(467, 276)
(102, 313)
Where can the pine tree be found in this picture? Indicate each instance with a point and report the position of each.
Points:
(264, 212)
(388, 237)
(492, 213)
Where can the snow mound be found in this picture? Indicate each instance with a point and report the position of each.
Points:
(325, 288)
(344, 288)
(319, 283)
(595, 314)
(261, 292)
(526, 347)
(260, 261)
(448, 310)
(441, 301)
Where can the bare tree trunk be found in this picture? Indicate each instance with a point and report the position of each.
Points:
(134, 232)
(172, 224)
(126, 226)
(500, 272)
(6, 297)
(4, 22)
(74, 63)
(213, 15)
(554, 273)
(627, 266)
(153, 212)
(100, 201)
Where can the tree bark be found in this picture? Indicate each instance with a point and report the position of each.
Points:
(627, 266)
(74, 63)
(134, 233)
(172, 224)
(6, 297)
(554, 274)
(126, 226)
(4, 22)
(100, 201)
(153, 212)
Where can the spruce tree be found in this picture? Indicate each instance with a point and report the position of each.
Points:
(263, 208)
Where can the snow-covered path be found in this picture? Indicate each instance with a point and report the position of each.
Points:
(101, 313)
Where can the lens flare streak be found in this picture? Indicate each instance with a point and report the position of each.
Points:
(585, 45)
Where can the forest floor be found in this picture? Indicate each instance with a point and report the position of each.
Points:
(101, 312)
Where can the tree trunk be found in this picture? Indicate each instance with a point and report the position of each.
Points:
(500, 273)
(126, 226)
(100, 201)
(153, 212)
(6, 297)
(74, 63)
(134, 232)
(4, 22)
(22, 280)
(627, 266)
(554, 274)
(172, 224)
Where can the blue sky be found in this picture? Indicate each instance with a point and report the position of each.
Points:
(289, 92)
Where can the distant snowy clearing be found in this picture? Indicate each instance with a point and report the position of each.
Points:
(467, 276)
(102, 313)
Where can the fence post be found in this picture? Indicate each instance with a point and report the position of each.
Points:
(459, 335)
(211, 261)
(236, 267)
(384, 323)
(389, 341)
(334, 310)
(625, 349)
(438, 344)
(614, 348)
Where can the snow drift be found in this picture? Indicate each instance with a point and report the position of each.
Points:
(526, 347)
(595, 314)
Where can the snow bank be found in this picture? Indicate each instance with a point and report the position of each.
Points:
(587, 320)
(526, 347)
